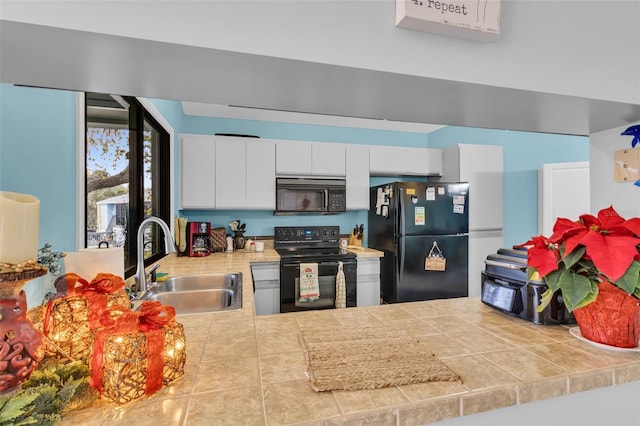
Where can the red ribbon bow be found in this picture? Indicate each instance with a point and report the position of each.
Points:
(151, 319)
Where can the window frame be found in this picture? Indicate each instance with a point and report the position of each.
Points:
(154, 116)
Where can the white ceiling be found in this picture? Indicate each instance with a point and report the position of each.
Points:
(84, 61)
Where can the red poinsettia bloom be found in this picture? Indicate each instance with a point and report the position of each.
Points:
(542, 255)
(610, 241)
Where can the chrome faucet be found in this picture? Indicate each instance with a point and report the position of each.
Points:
(169, 247)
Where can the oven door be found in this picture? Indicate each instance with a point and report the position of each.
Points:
(290, 286)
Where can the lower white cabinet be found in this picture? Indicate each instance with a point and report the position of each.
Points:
(266, 282)
(368, 276)
(481, 245)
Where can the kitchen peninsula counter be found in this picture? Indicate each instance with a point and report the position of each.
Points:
(247, 369)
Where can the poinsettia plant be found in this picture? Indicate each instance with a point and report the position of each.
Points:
(584, 253)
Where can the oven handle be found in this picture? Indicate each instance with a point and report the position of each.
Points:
(330, 263)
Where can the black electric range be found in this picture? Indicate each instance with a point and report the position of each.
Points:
(310, 244)
(318, 248)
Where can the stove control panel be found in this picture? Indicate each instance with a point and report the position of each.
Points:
(319, 234)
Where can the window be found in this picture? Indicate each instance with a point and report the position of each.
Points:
(127, 176)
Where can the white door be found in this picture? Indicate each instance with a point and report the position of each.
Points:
(563, 191)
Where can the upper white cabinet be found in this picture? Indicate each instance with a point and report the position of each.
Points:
(231, 173)
(293, 158)
(399, 160)
(227, 173)
(387, 160)
(424, 161)
(310, 158)
(328, 159)
(481, 166)
(261, 174)
(245, 173)
(357, 177)
(197, 176)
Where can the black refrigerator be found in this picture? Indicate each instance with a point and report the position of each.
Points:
(422, 228)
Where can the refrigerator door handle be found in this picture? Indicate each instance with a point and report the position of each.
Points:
(400, 210)
(401, 253)
(400, 240)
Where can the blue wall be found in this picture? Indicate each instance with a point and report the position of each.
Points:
(38, 157)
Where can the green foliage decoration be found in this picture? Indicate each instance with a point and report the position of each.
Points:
(52, 389)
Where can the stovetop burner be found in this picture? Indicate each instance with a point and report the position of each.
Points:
(312, 243)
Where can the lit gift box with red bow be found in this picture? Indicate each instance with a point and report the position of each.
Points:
(67, 322)
(134, 353)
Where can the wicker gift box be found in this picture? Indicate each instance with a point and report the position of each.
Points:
(135, 353)
(67, 322)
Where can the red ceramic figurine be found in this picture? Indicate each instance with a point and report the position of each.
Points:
(20, 342)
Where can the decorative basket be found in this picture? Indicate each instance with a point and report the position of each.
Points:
(218, 239)
(135, 353)
(67, 322)
(612, 319)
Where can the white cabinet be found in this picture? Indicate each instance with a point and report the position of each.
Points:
(261, 174)
(231, 173)
(327, 159)
(387, 160)
(245, 173)
(310, 158)
(481, 244)
(563, 191)
(481, 166)
(197, 176)
(368, 286)
(357, 177)
(404, 161)
(423, 161)
(266, 282)
(293, 158)
(227, 173)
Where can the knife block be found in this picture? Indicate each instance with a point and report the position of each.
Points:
(354, 241)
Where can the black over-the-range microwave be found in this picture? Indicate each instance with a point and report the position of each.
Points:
(310, 195)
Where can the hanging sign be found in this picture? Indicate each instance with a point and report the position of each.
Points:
(435, 260)
(470, 19)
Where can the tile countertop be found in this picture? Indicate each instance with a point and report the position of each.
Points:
(247, 369)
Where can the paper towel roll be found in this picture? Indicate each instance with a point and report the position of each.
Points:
(89, 262)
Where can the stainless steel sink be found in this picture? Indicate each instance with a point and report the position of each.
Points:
(195, 294)
(200, 282)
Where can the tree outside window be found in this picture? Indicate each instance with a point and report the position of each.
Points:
(127, 175)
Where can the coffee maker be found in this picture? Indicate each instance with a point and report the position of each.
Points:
(198, 239)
